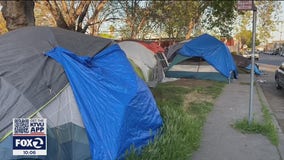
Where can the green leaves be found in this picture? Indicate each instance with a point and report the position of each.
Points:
(184, 18)
(267, 15)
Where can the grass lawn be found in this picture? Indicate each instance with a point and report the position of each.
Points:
(184, 105)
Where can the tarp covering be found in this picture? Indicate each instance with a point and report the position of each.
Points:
(215, 52)
(256, 69)
(241, 61)
(117, 108)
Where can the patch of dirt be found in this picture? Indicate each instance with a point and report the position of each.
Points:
(196, 97)
(192, 82)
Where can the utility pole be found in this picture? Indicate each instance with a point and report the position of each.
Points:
(249, 5)
(280, 41)
(281, 22)
(252, 63)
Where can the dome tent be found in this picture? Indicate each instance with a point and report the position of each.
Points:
(91, 110)
(145, 59)
(158, 51)
(211, 60)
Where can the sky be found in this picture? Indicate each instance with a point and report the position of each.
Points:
(276, 36)
(280, 27)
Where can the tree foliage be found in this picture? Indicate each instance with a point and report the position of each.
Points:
(174, 18)
(268, 12)
(185, 18)
(220, 16)
(135, 15)
(267, 15)
(245, 37)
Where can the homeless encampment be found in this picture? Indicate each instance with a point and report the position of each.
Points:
(95, 105)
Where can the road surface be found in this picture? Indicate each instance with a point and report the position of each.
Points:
(275, 98)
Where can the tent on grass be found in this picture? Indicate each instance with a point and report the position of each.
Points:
(203, 57)
(95, 105)
(146, 61)
(158, 51)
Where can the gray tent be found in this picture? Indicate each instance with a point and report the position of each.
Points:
(145, 59)
(34, 85)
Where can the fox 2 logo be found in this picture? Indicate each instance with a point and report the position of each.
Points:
(29, 142)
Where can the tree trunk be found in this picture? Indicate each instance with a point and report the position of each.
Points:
(190, 29)
(18, 14)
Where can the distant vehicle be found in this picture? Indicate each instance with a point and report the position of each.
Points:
(269, 52)
(256, 56)
(248, 55)
(279, 77)
(281, 53)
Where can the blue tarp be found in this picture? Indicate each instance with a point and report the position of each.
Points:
(215, 52)
(256, 70)
(117, 107)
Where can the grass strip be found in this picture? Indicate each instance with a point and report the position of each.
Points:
(266, 128)
(183, 121)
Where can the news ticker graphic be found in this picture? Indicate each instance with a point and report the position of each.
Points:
(29, 136)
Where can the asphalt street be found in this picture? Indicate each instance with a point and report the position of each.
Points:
(275, 98)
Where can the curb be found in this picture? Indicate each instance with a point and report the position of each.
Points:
(261, 94)
(280, 147)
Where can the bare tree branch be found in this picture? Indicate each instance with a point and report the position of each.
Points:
(57, 15)
(82, 15)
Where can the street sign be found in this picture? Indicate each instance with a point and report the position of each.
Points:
(245, 5)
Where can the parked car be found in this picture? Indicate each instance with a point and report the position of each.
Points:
(281, 53)
(256, 56)
(279, 76)
(269, 52)
(248, 55)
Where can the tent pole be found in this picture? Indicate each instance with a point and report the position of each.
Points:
(198, 64)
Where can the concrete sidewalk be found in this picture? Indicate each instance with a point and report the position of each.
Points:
(222, 142)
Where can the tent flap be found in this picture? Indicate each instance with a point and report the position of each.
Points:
(117, 108)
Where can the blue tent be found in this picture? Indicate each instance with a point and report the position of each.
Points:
(209, 49)
(117, 108)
